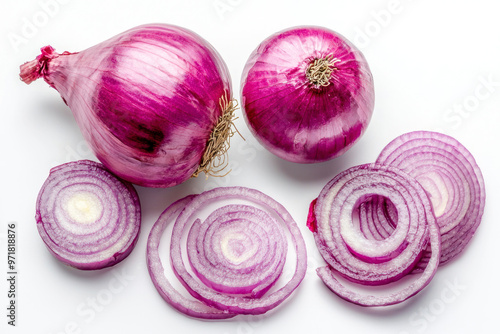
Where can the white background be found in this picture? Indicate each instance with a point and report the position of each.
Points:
(431, 61)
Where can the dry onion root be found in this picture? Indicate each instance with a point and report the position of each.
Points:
(88, 218)
(236, 254)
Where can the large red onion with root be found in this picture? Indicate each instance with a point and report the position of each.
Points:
(236, 253)
(307, 94)
(154, 103)
(335, 220)
(88, 218)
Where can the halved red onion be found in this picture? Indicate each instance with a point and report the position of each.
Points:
(88, 218)
(236, 254)
(307, 94)
(335, 221)
(452, 180)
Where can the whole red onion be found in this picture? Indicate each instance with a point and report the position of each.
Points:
(149, 102)
(307, 94)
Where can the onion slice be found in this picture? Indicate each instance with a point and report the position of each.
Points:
(335, 223)
(452, 179)
(88, 218)
(236, 254)
(156, 270)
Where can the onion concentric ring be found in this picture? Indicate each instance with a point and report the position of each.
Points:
(368, 260)
(88, 218)
(452, 179)
(236, 254)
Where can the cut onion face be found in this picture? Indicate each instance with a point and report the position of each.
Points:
(452, 180)
(88, 218)
(371, 224)
(236, 253)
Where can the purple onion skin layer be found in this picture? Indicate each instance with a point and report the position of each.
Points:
(87, 246)
(145, 100)
(295, 119)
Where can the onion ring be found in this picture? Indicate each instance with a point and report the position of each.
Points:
(237, 254)
(88, 218)
(452, 179)
(368, 261)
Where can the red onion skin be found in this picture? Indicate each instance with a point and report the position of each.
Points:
(295, 119)
(145, 100)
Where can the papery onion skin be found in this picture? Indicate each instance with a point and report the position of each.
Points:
(145, 100)
(452, 179)
(87, 217)
(298, 120)
(243, 249)
(365, 260)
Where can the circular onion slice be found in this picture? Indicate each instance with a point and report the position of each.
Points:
(88, 218)
(335, 222)
(452, 179)
(239, 250)
(236, 254)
